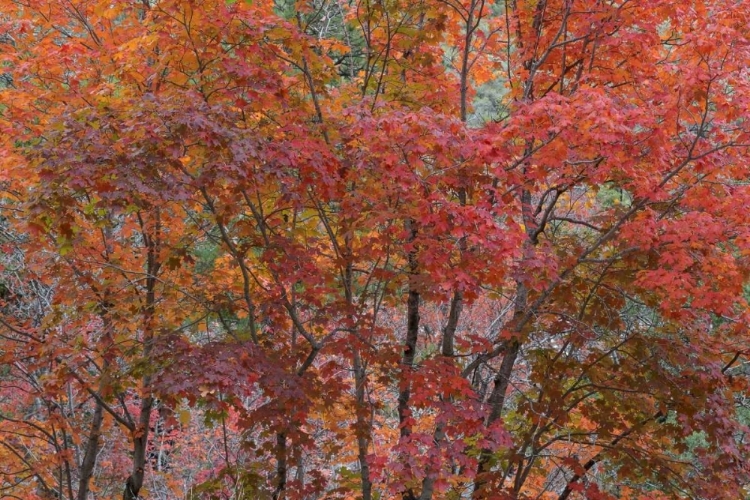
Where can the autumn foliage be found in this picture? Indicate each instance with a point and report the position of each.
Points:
(276, 249)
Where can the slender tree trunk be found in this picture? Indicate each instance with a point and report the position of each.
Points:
(502, 379)
(447, 349)
(412, 336)
(407, 362)
(92, 444)
(497, 403)
(363, 427)
(410, 347)
(428, 484)
(449, 332)
(134, 482)
(92, 449)
(140, 443)
(281, 466)
(68, 472)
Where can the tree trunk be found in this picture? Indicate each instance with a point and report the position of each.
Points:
(152, 239)
(502, 379)
(281, 467)
(140, 442)
(92, 449)
(363, 427)
(410, 348)
(496, 402)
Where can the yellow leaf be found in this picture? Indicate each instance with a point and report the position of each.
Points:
(184, 417)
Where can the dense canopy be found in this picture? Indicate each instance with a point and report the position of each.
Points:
(370, 249)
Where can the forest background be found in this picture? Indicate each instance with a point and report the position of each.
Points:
(426, 249)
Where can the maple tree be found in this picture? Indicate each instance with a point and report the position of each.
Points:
(277, 250)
